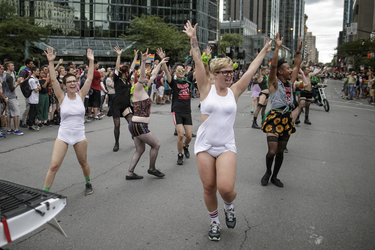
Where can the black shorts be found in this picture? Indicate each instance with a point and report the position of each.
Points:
(167, 92)
(306, 94)
(184, 119)
(267, 95)
(95, 99)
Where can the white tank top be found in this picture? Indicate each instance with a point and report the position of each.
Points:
(72, 113)
(217, 129)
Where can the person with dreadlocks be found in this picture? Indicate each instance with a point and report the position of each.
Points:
(121, 105)
(278, 123)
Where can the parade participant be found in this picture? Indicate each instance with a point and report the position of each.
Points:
(255, 94)
(215, 147)
(72, 128)
(121, 105)
(181, 107)
(138, 126)
(306, 93)
(278, 123)
(263, 96)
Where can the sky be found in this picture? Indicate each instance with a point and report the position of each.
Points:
(325, 22)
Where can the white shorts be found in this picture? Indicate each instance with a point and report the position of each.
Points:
(216, 151)
(71, 136)
(160, 91)
(154, 87)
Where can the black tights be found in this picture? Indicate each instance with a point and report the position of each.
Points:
(140, 144)
(259, 107)
(275, 147)
(116, 123)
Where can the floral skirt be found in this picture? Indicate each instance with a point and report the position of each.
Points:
(277, 123)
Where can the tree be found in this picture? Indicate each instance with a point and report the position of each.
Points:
(16, 32)
(151, 32)
(229, 40)
(357, 52)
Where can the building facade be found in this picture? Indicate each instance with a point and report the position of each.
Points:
(313, 55)
(363, 15)
(97, 24)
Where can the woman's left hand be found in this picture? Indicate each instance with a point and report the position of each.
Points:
(145, 56)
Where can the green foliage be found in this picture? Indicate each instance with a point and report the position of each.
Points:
(16, 31)
(229, 40)
(357, 52)
(151, 32)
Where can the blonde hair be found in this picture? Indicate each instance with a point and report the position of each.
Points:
(218, 63)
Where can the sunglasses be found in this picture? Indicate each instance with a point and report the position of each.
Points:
(180, 70)
(226, 73)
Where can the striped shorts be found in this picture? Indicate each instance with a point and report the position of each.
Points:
(138, 128)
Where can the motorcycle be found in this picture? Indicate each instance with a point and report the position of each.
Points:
(321, 99)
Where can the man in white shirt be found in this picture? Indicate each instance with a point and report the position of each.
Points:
(33, 99)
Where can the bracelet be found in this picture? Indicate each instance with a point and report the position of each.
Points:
(298, 53)
(142, 82)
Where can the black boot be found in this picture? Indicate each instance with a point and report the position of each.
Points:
(307, 120)
(255, 124)
(267, 175)
(297, 120)
(116, 147)
(276, 169)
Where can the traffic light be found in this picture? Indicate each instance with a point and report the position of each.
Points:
(215, 54)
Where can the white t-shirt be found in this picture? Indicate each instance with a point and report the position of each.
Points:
(34, 97)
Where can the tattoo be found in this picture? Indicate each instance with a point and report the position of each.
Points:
(194, 44)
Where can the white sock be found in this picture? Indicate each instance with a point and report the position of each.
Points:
(228, 206)
(214, 216)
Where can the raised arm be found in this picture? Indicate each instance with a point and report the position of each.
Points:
(161, 54)
(272, 84)
(132, 66)
(119, 52)
(142, 76)
(157, 69)
(240, 86)
(59, 63)
(200, 72)
(55, 84)
(90, 75)
(297, 61)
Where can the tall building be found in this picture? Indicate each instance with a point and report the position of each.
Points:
(311, 48)
(97, 24)
(348, 18)
(363, 15)
(292, 22)
(264, 13)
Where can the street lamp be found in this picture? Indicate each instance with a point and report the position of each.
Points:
(291, 29)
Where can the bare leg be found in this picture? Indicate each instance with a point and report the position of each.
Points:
(81, 152)
(58, 154)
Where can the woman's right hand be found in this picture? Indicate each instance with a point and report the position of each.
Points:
(118, 51)
(190, 30)
(144, 55)
(50, 55)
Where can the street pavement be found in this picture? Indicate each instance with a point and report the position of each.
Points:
(328, 201)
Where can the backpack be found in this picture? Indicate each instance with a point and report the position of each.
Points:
(25, 88)
(56, 117)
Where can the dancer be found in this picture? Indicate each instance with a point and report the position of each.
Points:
(306, 93)
(138, 126)
(278, 123)
(261, 81)
(72, 128)
(121, 104)
(215, 147)
(181, 107)
(255, 93)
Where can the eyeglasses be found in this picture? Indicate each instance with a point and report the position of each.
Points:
(180, 70)
(226, 73)
(73, 81)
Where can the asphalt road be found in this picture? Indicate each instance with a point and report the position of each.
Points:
(328, 201)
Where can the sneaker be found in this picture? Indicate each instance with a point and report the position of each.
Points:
(252, 111)
(10, 131)
(286, 150)
(230, 218)
(134, 176)
(277, 182)
(193, 135)
(2, 135)
(101, 115)
(156, 172)
(88, 189)
(265, 179)
(167, 102)
(23, 125)
(186, 151)
(297, 121)
(34, 128)
(40, 124)
(18, 132)
(49, 123)
(87, 121)
(180, 159)
(214, 233)
(97, 118)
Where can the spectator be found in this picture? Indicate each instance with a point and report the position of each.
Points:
(43, 105)
(94, 100)
(13, 105)
(24, 74)
(111, 87)
(33, 100)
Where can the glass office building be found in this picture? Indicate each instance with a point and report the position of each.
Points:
(97, 24)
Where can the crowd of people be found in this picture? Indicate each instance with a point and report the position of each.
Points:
(72, 96)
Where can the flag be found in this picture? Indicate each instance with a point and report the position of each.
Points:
(269, 64)
(137, 63)
(151, 57)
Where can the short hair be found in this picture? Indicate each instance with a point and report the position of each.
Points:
(6, 64)
(33, 69)
(219, 63)
(95, 61)
(178, 64)
(28, 60)
(124, 69)
(303, 68)
(68, 68)
(66, 77)
(280, 64)
(264, 68)
(44, 66)
(70, 63)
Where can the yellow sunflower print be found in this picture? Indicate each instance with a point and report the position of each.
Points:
(285, 120)
(268, 128)
(290, 132)
(287, 127)
(279, 128)
(277, 121)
